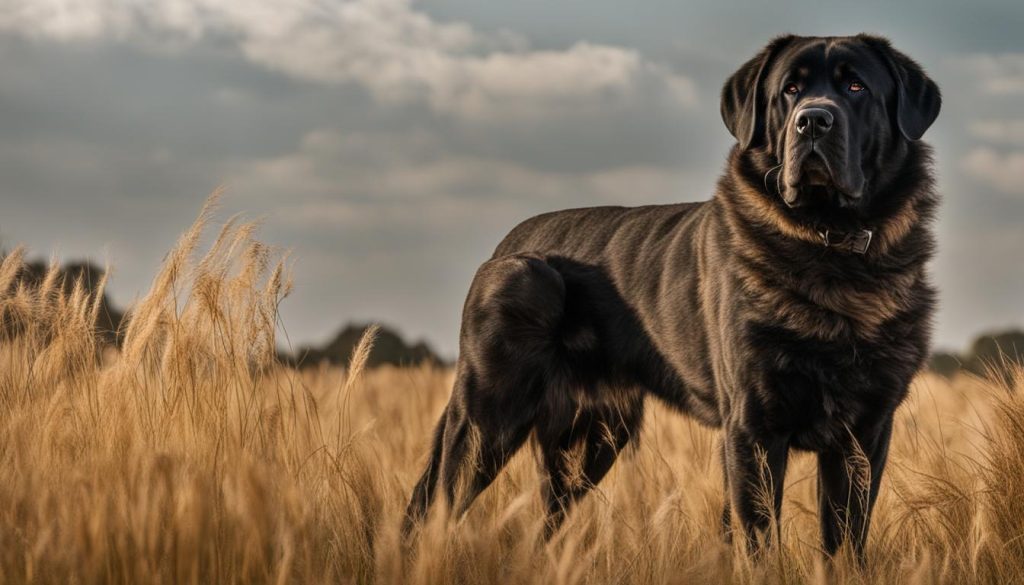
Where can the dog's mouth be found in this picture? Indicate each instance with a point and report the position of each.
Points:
(816, 185)
(815, 172)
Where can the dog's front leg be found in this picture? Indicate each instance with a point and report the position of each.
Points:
(755, 467)
(848, 481)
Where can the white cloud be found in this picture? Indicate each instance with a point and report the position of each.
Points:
(1000, 74)
(1009, 132)
(1004, 171)
(399, 54)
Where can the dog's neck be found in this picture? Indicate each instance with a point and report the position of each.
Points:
(905, 204)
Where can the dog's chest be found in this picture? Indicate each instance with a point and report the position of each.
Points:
(811, 412)
(816, 392)
(818, 415)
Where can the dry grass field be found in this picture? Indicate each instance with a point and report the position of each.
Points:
(191, 457)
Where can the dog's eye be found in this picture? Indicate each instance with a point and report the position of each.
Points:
(791, 88)
(856, 86)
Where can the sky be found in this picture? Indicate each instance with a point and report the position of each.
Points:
(389, 144)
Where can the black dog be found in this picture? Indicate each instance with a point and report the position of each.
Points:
(791, 310)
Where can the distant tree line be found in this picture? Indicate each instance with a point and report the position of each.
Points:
(388, 349)
(992, 355)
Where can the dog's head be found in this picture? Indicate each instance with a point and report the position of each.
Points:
(829, 118)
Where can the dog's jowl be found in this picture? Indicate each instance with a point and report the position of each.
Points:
(791, 310)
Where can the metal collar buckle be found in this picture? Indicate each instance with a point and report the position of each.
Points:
(856, 242)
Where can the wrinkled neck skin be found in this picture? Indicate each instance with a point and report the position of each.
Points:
(894, 203)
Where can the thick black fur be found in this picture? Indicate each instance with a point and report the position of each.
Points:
(733, 310)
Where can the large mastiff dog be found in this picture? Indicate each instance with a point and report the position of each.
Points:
(791, 310)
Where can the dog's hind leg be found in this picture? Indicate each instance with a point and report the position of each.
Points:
(476, 448)
(509, 332)
(578, 445)
(468, 452)
(425, 491)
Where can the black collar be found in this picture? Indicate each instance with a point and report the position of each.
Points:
(856, 242)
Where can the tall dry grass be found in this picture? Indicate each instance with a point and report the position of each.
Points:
(192, 457)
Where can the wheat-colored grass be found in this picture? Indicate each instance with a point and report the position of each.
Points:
(192, 457)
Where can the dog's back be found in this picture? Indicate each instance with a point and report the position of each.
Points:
(601, 235)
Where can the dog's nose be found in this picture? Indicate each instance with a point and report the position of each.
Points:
(815, 122)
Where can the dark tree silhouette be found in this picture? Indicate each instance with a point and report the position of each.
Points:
(108, 321)
(389, 348)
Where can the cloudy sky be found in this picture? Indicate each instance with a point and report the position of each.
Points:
(390, 144)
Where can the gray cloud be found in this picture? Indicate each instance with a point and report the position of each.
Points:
(1004, 171)
(1002, 74)
(992, 122)
(398, 54)
(346, 169)
(1009, 132)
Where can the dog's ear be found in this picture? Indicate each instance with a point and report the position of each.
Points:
(917, 97)
(743, 98)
